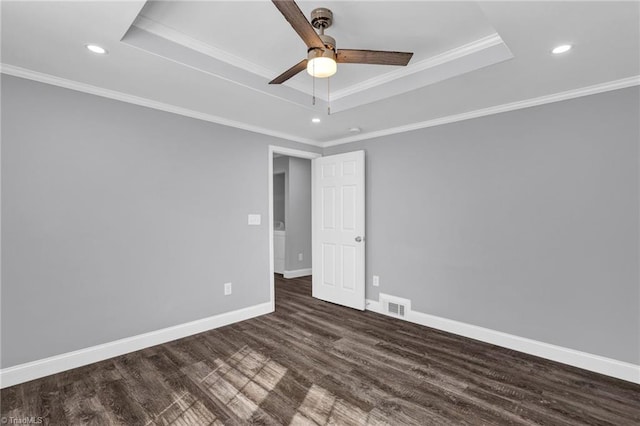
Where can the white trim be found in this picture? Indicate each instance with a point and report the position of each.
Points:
(497, 109)
(182, 39)
(297, 273)
(44, 367)
(599, 364)
(136, 100)
(421, 66)
(272, 280)
(435, 70)
(547, 99)
(475, 47)
(195, 59)
(274, 149)
(373, 306)
(290, 152)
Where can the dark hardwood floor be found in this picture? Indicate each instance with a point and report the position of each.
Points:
(313, 362)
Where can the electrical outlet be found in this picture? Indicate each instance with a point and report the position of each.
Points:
(227, 289)
(376, 281)
(300, 257)
(254, 219)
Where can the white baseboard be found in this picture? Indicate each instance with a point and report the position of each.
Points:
(44, 367)
(373, 306)
(33, 370)
(599, 364)
(297, 273)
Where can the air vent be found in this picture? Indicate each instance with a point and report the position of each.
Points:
(394, 306)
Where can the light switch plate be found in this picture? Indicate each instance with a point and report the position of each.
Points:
(254, 219)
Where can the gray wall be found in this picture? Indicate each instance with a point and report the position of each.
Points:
(119, 220)
(298, 238)
(278, 197)
(113, 225)
(297, 172)
(524, 222)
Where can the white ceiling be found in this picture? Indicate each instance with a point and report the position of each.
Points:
(213, 60)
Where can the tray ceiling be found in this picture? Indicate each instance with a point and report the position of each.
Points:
(213, 59)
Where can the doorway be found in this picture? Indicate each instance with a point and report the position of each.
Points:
(290, 231)
(336, 193)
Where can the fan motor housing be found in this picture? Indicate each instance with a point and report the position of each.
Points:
(321, 53)
(328, 41)
(321, 18)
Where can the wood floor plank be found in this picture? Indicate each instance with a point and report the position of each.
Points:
(113, 395)
(316, 363)
(81, 404)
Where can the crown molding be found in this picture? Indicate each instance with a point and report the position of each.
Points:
(547, 99)
(456, 61)
(421, 66)
(148, 103)
(163, 31)
(202, 60)
(182, 39)
(123, 97)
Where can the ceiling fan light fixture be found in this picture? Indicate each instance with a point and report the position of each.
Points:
(322, 54)
(322, 64)
(322, 67)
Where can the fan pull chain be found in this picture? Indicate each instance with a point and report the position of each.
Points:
(328, 96)
(313, 64)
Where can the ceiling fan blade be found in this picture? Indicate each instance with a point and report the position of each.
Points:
(302, 65)
(296, 18)
(375, 57)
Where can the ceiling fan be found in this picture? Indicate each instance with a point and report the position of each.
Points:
(322, 55)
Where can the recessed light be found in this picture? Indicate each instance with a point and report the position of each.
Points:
(561, 49)
(315, 120)
(355, 130)
(99, 50)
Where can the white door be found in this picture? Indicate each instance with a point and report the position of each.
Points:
(338, 229)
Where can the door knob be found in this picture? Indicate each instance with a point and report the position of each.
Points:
(358, 239)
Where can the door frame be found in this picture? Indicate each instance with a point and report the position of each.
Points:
(289, 152)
